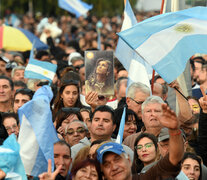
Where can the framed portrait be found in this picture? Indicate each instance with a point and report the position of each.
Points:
(99, 72)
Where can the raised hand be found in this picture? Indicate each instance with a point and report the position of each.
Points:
(203, 103)
(49, 175)
(92, 98)
(169, 118)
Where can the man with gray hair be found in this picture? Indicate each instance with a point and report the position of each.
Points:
(17, 74)
(151, 113)
(137, 93)
(75, 131)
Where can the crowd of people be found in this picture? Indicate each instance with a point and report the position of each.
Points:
(157, 142)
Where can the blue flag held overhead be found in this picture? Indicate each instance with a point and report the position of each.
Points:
(36, 69)
(37, 134)
(167, 41)
(77, 7)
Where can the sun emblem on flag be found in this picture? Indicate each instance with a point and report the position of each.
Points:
(184, 28)
(90, 55)
(45, 72)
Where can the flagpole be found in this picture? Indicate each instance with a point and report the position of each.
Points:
(153, 73)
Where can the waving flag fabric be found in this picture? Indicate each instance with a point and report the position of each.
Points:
(36, 69)
(168, 40)
(76, 7)
(10, 161)
(37, 133)
(133, 63)
(119, 138)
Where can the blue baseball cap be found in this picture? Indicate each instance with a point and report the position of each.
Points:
(109, 147)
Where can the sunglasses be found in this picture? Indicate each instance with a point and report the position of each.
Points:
(79, 130)
(73, 109)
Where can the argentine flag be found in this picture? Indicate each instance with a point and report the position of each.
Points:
(76, 7)
(132, 62)
(36, 69)
(167, 41)
(10, 161)
(37, 134)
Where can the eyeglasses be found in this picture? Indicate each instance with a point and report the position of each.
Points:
(137, 102)
(147, 145)
(79, 130)
(73, 109)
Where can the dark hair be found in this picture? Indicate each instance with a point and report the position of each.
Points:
(8, 79)
(118, 115)
(62, 142)
(99, 141)
(65, 112)
(3, 133)
(189, 155)
(24, 91)
(20, 84)
(104, 108)
(5, 115)
(41, 53)
(58, 103)
(137, 163)
(84, 163)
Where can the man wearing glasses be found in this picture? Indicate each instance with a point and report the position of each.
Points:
(75, 131)
(115, 163)
(151, 113)
(137, 93)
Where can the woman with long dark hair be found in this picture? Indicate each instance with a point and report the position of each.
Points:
(67, 96)
(145, 151)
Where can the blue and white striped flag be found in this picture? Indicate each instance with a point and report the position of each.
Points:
(36, 69)
(76, 7)
(167, 41)
(137, 68)
(133, 63)
(10, 160)
(119, 138)
(37, 134)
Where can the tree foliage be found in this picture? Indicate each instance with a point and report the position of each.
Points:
(50, 7)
